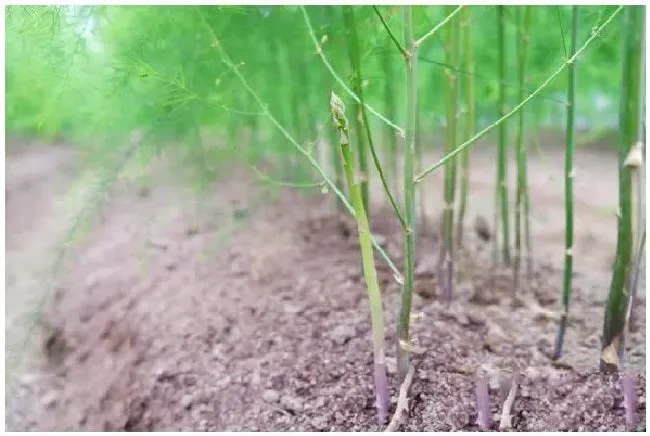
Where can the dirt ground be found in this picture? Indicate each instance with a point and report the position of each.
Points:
(243, 308)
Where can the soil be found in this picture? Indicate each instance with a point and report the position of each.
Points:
(244, 308)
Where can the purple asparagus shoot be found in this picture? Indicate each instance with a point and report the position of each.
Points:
(483, 403)
(629, 398)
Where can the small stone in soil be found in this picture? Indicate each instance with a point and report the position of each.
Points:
(270, 396)
(291, 404)
(391, 365)
(292, 310)
(49, 399)
(186, 401)
(319, 423)
(342, 334)
(476, 317)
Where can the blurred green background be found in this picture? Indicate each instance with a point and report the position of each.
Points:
(97, 74)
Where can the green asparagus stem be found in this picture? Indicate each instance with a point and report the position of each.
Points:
(369, 271)
(409, 195)
(353, 48)
(470, 121)
(446, 261)
(502, 164)
(568, 188)
(614, 325)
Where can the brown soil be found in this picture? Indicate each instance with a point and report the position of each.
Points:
(227, 311)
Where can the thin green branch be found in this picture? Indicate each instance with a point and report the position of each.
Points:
(390, 33)
(431, 32)
(356, 98)
(507, 84)
(543, 86)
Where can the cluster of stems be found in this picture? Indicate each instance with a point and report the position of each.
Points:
(356, 178)
(521, 199)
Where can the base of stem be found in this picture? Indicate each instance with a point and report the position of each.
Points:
(382, 394)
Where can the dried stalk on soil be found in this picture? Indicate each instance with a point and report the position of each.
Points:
(402, 407)
(594, 35)
(569, 173)
(234, 68)
(446, 261)
(506, 412)
(615, 309)
(369, 271)
(502, 160)
(355, 61)
(522, 158)
(470, 121)
(409, 194)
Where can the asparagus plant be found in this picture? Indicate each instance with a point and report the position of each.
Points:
(502, 160)
(446, 261)
(630, 107)
(355, 61)
(409, 194)
(369, 271)
(522, 176)
(570, 147)
(470, 121)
